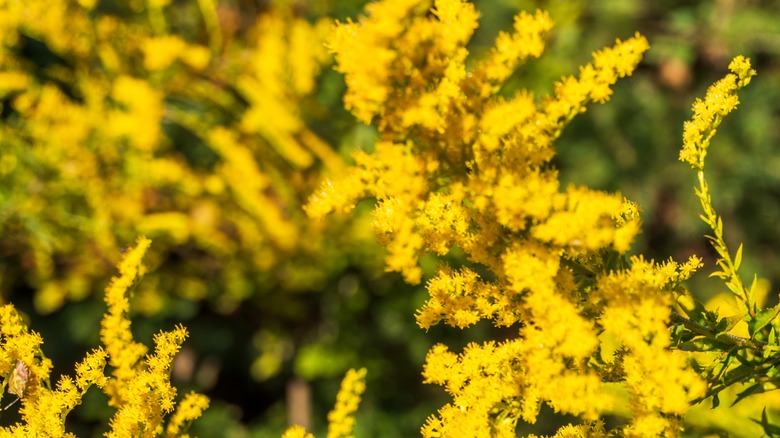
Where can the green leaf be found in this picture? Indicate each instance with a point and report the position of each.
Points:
(769, 429)
(749, 362)
(734, 287)
(754, 284)
(753, 389)
(762, 319)
(722, 326)
(741, 372)
(738, 258)
(751, 297)
(728, 323)
(773, 372)
(693, 308)
(720, 274)
(715, 401)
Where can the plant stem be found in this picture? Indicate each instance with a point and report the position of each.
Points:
(728, 266)
(711, 333)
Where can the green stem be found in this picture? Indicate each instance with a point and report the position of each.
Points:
(720, 387)
(727, 265)
(211, 20)
(711, 333)
(156, 18)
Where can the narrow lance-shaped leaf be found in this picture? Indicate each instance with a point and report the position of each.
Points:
(753, 389)
(762, 319)
(769, 429)
(738, 258)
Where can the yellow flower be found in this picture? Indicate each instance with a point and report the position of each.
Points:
(296, 432)
(160, 52)
(189, 408)
(43, 410)
(115, 332)
(720, 100)
(140, 386)
(458, 167)
(511, 49)
(139, 118)
(341, 419)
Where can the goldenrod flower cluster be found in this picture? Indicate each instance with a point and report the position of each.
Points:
(459, 166)
(341, 419)
(720, 100)
(194, 134)
(750, 335)
(92, 154)
(138, 385)
(296, 432)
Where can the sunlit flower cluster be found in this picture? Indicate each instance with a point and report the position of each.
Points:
(720, 100)
(192, 129)
(458, 166)
(341, 420)
(138, 385)
(195, 135)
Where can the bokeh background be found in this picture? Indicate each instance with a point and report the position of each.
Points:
(206, 124)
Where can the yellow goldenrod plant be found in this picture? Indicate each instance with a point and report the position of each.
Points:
(188, 122)
(137, 382)
(138, 129)
(219, 134)
(459, 166)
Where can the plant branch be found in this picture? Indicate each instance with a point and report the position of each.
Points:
(728, 266)
(711, 333)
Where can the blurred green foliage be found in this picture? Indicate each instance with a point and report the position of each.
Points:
(354, 315)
